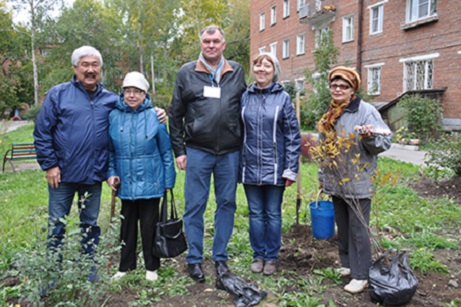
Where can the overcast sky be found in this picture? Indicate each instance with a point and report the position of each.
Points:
(20, 16)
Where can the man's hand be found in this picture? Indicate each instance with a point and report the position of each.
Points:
(181, 162)
(53, 176)
(161, 114)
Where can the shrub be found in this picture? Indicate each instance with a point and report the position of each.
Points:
(423, 115)
(445, 153)
(32, 114)
(307, 142)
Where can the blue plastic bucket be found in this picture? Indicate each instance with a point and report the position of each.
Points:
(323, 219)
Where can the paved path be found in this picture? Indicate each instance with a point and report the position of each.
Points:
(10, 125)
(405, 153)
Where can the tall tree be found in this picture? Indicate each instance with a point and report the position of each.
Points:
(37, 11)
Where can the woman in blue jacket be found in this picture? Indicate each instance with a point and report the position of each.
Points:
(141, 169)
(269, 159)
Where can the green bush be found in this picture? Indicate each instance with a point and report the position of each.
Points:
(32, 114)
(445, 153)
(423, 115)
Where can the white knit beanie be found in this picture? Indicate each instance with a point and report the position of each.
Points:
(136, 79)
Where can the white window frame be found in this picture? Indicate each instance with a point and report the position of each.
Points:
(286, 48)
(286, 8)
(262, 49)
(379, 19)
(299, 84)
(414, 10)
(348, 28)
(424, 62)
(273, 15)
(262, 21)
(300, 4)
(300, 44)
(318, 35)
(318, 5)
(374, 78)
(273, 49)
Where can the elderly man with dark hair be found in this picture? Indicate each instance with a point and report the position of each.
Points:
(206, 136)
(71, 138)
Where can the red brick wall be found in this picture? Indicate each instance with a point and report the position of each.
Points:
(441, 36)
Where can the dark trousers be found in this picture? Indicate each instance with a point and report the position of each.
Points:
(146, 211)
(353, 239)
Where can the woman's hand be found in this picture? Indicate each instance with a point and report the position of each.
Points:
(113, 182)
(288, 182)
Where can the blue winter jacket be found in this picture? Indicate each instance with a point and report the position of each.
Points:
(72, 132)
(271, 137)
(140, 152)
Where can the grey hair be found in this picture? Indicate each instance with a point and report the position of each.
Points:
(79, 53)
(273, 60)
(211, 30)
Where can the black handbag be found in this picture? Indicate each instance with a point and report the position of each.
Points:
(169, 239)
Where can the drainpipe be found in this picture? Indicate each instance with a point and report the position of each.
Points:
(359, 36)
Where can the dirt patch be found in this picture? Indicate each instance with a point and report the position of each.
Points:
(450, 188)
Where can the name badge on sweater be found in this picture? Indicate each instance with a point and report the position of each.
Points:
(212, 92)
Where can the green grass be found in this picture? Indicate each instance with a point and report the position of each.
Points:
(419, 225)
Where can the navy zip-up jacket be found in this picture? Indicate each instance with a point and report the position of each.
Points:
(271, 137)
(72, 132)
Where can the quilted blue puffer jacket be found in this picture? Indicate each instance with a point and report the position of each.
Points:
(140, 152)
(271, 138)
(71, 132)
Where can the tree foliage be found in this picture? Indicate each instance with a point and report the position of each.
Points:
(318, 100)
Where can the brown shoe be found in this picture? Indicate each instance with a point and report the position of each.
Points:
(270, 267)
(257, 265)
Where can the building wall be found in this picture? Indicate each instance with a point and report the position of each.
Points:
(398, 41)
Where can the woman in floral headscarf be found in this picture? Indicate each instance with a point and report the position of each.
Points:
(346, 175)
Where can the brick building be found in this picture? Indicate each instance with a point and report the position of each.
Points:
(398, 46)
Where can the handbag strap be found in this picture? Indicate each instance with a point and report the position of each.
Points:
(164, 210)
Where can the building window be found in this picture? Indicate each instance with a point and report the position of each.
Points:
(286, 8)
(262, 22)
(418, 75)
(300, 44)
(376, 19)
(319, 34)
(374, 79)
(420, 9)
(273, 15)
(300, 4)
(262, 50)
(286, 49)
(299, 85)
(273, 47)
(348, 29)
(318, 5)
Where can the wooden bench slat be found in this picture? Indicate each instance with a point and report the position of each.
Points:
(19, 151)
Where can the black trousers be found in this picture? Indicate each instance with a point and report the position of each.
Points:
(146, 211)
(353, 239)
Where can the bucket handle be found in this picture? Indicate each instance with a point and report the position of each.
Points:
(317, 199)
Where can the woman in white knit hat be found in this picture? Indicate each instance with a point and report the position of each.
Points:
(141, 169)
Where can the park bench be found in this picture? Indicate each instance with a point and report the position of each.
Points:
(19, 151)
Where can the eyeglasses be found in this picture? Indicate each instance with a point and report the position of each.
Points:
(95, 65)
(132, 91)
(342, 87)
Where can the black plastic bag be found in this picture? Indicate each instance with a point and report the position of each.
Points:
(391, 279)
(245, 293)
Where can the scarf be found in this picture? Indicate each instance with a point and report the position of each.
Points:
(216, 74)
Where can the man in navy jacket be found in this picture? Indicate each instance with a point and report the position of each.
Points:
(71, 139)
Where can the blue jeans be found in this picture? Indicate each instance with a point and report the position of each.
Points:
(59, 205)
(265, 213)
(200, 166)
